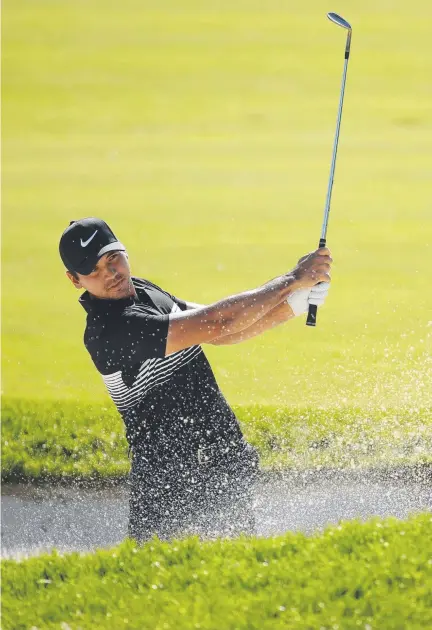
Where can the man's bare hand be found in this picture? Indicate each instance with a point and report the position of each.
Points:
(313, 268)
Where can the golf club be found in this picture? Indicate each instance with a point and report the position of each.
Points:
(337, 19)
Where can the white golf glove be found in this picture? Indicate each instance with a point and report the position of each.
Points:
(299, 300)
(319, 293)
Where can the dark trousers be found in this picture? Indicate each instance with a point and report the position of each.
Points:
(210, 496)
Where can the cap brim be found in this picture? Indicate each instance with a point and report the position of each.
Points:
(111, 247)
(87, 267)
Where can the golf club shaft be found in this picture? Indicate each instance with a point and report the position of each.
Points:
(312, 314)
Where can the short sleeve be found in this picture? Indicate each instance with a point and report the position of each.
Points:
(123, 341)
(181, 303)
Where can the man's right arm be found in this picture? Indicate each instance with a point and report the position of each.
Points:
(235, 313)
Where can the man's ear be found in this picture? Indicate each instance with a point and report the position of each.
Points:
(74, 279)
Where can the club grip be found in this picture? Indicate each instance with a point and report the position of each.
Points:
(312, 315)
(313, 308)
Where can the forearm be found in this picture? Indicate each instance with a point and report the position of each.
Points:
(278, 315)
(239, 312)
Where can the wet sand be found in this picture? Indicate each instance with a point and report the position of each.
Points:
(39, 518)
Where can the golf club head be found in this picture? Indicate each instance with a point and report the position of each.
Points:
(337, 19)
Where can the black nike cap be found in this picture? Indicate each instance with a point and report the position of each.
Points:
(84, 242)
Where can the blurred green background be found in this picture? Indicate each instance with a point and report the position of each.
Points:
(202, 133)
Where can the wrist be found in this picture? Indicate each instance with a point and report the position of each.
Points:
(290, 284)
(302, 282)
(299, 301)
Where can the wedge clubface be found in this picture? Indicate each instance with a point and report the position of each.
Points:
(337, 19)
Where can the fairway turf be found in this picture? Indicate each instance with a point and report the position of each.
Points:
(376, 575)
(63, 440)
(202, 133)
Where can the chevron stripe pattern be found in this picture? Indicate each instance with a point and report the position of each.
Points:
(152, 372)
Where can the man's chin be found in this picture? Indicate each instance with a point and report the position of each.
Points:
(122, 288)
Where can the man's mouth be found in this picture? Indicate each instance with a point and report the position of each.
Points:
(116, 284)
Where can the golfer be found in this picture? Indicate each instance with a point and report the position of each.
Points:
(190, 461)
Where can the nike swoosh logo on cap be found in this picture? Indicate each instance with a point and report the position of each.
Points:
(85, 243)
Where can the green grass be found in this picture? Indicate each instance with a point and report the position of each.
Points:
(372, 575)
(203, 134)
(53, 441)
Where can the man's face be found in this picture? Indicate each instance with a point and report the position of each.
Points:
(110, 279)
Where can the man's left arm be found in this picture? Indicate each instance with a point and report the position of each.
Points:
(297, 304)
(280, 314)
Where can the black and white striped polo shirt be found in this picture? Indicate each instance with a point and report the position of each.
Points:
(167, 403)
